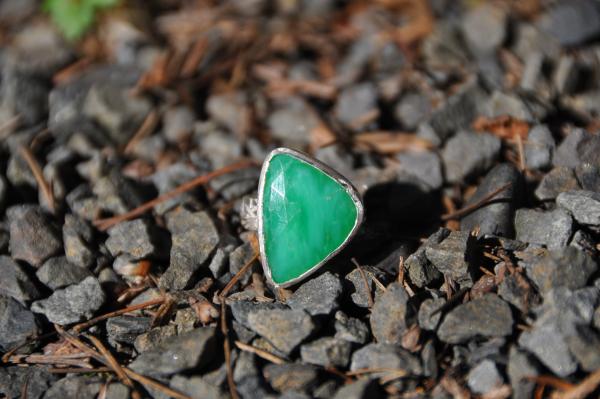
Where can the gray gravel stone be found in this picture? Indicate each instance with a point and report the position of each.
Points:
(516, 290)
(468, 154)
(58, 272)
(558, 180)
(74, 386)
(318, 296)
(363, 388)
(133, 237)
(355, 102)
(32, 236)
(579, 146)
(113, 108)
(194, 237)
(420, 270)
(16, 323)
(284, 329)
(520, 366)
(190, 350)
(546, 342)
(238, 258)
(566, 267)
(293, 122)
(72, 304)
(154, 338)
(451, 256)
(588, 176)
(484, 28)
(196, 388)
(15, 282)
(501, 103)
(584, 345)
(459, 110)
(583, 205)
(230, 110)
(487, 316)
(295, 377)
(551, 228)
(428, 320)
(327, 352)
(178, 123)
(169, 178)
(77, 237)
(411, 109)
(13, 378)
(360, 295)
(127, 328)
(484, 377)
(242, 309)
(351, 329)
(572, 23)
(539, 148)
(389, 314)
(495, 218)
(424, 165)
(385, 356)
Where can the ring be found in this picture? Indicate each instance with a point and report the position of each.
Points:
(305, 214)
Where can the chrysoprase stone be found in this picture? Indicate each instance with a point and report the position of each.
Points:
(306, 216)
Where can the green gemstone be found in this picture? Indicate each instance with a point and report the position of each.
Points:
(306, 215)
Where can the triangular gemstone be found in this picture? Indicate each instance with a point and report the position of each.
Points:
(307, 216)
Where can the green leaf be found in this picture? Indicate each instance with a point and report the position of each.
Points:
(75, 17)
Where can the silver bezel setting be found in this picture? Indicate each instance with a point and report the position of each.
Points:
(350, 189)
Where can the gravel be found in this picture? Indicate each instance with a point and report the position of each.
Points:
(16, 282)
(583, 205)
(194, 237)
(495, 218)
(284, 329)
(451, 256)
(467, 154)
(558, 180)
(318, 296)
(58, 272)
(327, 352)
(484, 377)
(385, 356)
(566, 267)
(488, 316)
(552, 229)
(389, 315)
(133, 238)
(190, 350)
(17, 324)
(33, 238)
(72, 304)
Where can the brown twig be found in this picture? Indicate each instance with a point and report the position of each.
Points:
(87, 324)
(77, 370)
(105, 224)
(112, 362)
(7, 127)
(148, 125)
(260, 353)
(130, 373)
(238, 275)
(366, 283)
(148, 382)
(473, 207)
(39, 177)
(227, 350)
(581, 390)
